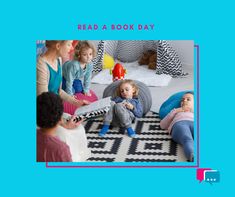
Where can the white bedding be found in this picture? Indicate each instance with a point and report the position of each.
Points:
(135, 72)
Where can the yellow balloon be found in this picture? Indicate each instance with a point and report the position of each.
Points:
(108, 62)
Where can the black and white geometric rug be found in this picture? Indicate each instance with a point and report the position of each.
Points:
(150, 145)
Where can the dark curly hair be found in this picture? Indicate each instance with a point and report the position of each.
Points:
(49, 109)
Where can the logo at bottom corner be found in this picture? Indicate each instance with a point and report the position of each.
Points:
(208, 175)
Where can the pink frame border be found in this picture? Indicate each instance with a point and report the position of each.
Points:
(198, 132)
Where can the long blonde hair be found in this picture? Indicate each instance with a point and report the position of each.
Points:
(133, 85)
(81, 46)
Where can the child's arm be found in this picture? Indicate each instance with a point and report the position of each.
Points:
(87, 78)
(165, 122)
(117, 99)
(135, 107)
(69, 75)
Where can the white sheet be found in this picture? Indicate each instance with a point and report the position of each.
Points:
(135, 72)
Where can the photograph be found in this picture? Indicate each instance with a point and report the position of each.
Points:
(115, 101)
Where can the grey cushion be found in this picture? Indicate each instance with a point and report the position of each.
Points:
(130, 50)
(111, 47)
(144, 94)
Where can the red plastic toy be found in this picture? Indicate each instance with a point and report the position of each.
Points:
(118, 72)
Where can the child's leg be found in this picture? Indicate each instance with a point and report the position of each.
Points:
(124, 115)
(125, 118)
(131, 132)
(104, 130)
(107, 120)
(181, 133)
(191, 127)
(77, 86)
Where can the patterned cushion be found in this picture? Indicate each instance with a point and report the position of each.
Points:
(168, 61)
(98, 60)
(144, 94)
(111, 47)
(130, 50)
(171, 103)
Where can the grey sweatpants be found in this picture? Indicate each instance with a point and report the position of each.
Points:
(119, 115)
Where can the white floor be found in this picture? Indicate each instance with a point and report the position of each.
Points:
(160, 94)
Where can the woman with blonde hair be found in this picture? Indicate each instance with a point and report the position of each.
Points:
(49, 79)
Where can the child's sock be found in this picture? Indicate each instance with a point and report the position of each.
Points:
(104, 130)
(130, 132)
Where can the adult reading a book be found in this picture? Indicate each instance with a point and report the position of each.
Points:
(49, 79)
(53, 142)
(49, 73)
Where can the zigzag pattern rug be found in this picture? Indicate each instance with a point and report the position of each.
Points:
(150, 145)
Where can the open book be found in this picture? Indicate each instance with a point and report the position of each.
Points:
(94, 109)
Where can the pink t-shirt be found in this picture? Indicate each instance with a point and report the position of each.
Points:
(173, 117)
(51, 149)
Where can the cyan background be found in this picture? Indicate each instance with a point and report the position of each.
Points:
(209, 24)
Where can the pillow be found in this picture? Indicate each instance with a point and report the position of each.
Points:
(171, 103)
(150, 45)
(130, 50)
(111, 47)
(168, 61)
(144, 96)
(70, 109)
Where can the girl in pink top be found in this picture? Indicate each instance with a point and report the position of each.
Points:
(179, 123)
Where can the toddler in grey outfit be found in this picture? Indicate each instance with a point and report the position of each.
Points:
(124, 108)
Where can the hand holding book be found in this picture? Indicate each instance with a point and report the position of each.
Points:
(94, 109)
